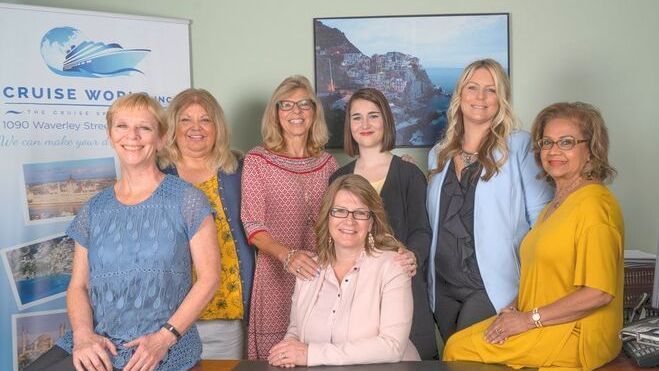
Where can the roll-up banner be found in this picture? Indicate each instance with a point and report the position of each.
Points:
(60, 70)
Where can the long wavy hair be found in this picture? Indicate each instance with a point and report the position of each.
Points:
(273, 139)
(362, 189)
(221, 157)
(589, 120)
(503, 122)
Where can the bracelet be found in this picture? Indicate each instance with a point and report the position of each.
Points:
(535, 317)
(287, 260)
(167, 326)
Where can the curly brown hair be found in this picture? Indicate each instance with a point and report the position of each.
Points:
(590, 122)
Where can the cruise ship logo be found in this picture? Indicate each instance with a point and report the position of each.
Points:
(68, 52)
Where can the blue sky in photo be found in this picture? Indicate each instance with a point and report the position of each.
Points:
(438, 41)
(78, 169)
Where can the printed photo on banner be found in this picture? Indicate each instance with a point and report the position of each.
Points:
(414, 60)
(55, 191)
(39, 271)
(35, 333)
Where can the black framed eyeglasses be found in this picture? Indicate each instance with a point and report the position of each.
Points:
(339, 212)
(565, 143)
(303, 104)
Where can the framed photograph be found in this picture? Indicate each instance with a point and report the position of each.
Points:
(55, 191)
(414, 60)
(35, 333)
(39, 271)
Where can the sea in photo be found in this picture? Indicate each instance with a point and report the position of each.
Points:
(415, 61)
(40, 270)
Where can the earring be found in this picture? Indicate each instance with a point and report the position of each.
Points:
(371, 241)
(587, 171)
(330, 242)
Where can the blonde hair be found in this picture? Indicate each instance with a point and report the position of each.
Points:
(503, 123)
(589, 120)
(221, 157)
(359, 187)
(273, 138)
(137, 101)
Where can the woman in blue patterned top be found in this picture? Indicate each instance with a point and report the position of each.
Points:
(131, 300)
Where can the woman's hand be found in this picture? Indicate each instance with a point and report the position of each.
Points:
(407, 260)
(302, 265)
(90, 351)
(151, 349)
(288, 353)
(508, 323)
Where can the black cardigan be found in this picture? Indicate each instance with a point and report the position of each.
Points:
(404, 197)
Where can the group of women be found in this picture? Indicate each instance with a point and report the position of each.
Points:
(511, 245)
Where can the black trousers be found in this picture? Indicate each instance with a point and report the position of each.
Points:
(457, 308)
(422, 333)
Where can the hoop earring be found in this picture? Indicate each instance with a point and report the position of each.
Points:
(371, 241)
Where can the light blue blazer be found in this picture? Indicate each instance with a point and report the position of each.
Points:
(505, 208)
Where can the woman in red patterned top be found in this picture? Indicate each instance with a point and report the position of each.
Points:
(283, 182)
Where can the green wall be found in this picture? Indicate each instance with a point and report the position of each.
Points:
(600, 51)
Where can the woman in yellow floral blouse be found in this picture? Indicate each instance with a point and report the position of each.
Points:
(198, 151)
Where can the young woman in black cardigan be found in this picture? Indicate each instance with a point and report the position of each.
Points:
(370, 135)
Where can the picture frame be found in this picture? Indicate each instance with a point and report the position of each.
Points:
(55, 191)
(39, 271)
(34, 333)
(415, 60)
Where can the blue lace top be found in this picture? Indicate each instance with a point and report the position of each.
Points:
(140, 266)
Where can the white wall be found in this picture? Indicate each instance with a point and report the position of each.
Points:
(600, 51)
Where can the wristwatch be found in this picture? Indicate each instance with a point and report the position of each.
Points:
(535, 317)
(167, 326)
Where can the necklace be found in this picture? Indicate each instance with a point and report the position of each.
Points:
(468, 158)
(562, 195)
(307, 200)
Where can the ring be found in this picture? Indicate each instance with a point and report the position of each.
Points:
(499, 331)
(282, 355)
(297, 270)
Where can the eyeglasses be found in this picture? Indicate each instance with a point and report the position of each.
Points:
(564, 143)
(339, 212)
(287, 105)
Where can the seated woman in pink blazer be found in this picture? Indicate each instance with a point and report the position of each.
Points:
(358, 308)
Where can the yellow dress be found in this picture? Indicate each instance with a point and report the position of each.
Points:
(227, 303)
(580, 244)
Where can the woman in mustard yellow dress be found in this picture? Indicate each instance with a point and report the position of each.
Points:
(569, 309)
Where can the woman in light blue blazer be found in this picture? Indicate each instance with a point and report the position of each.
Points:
(484, 195)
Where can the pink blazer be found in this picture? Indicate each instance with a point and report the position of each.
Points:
(379, 321)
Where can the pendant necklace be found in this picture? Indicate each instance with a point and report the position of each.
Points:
(562, 195)
(468, 158)
(307, 200)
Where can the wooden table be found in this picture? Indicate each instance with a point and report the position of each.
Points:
(622, 363)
